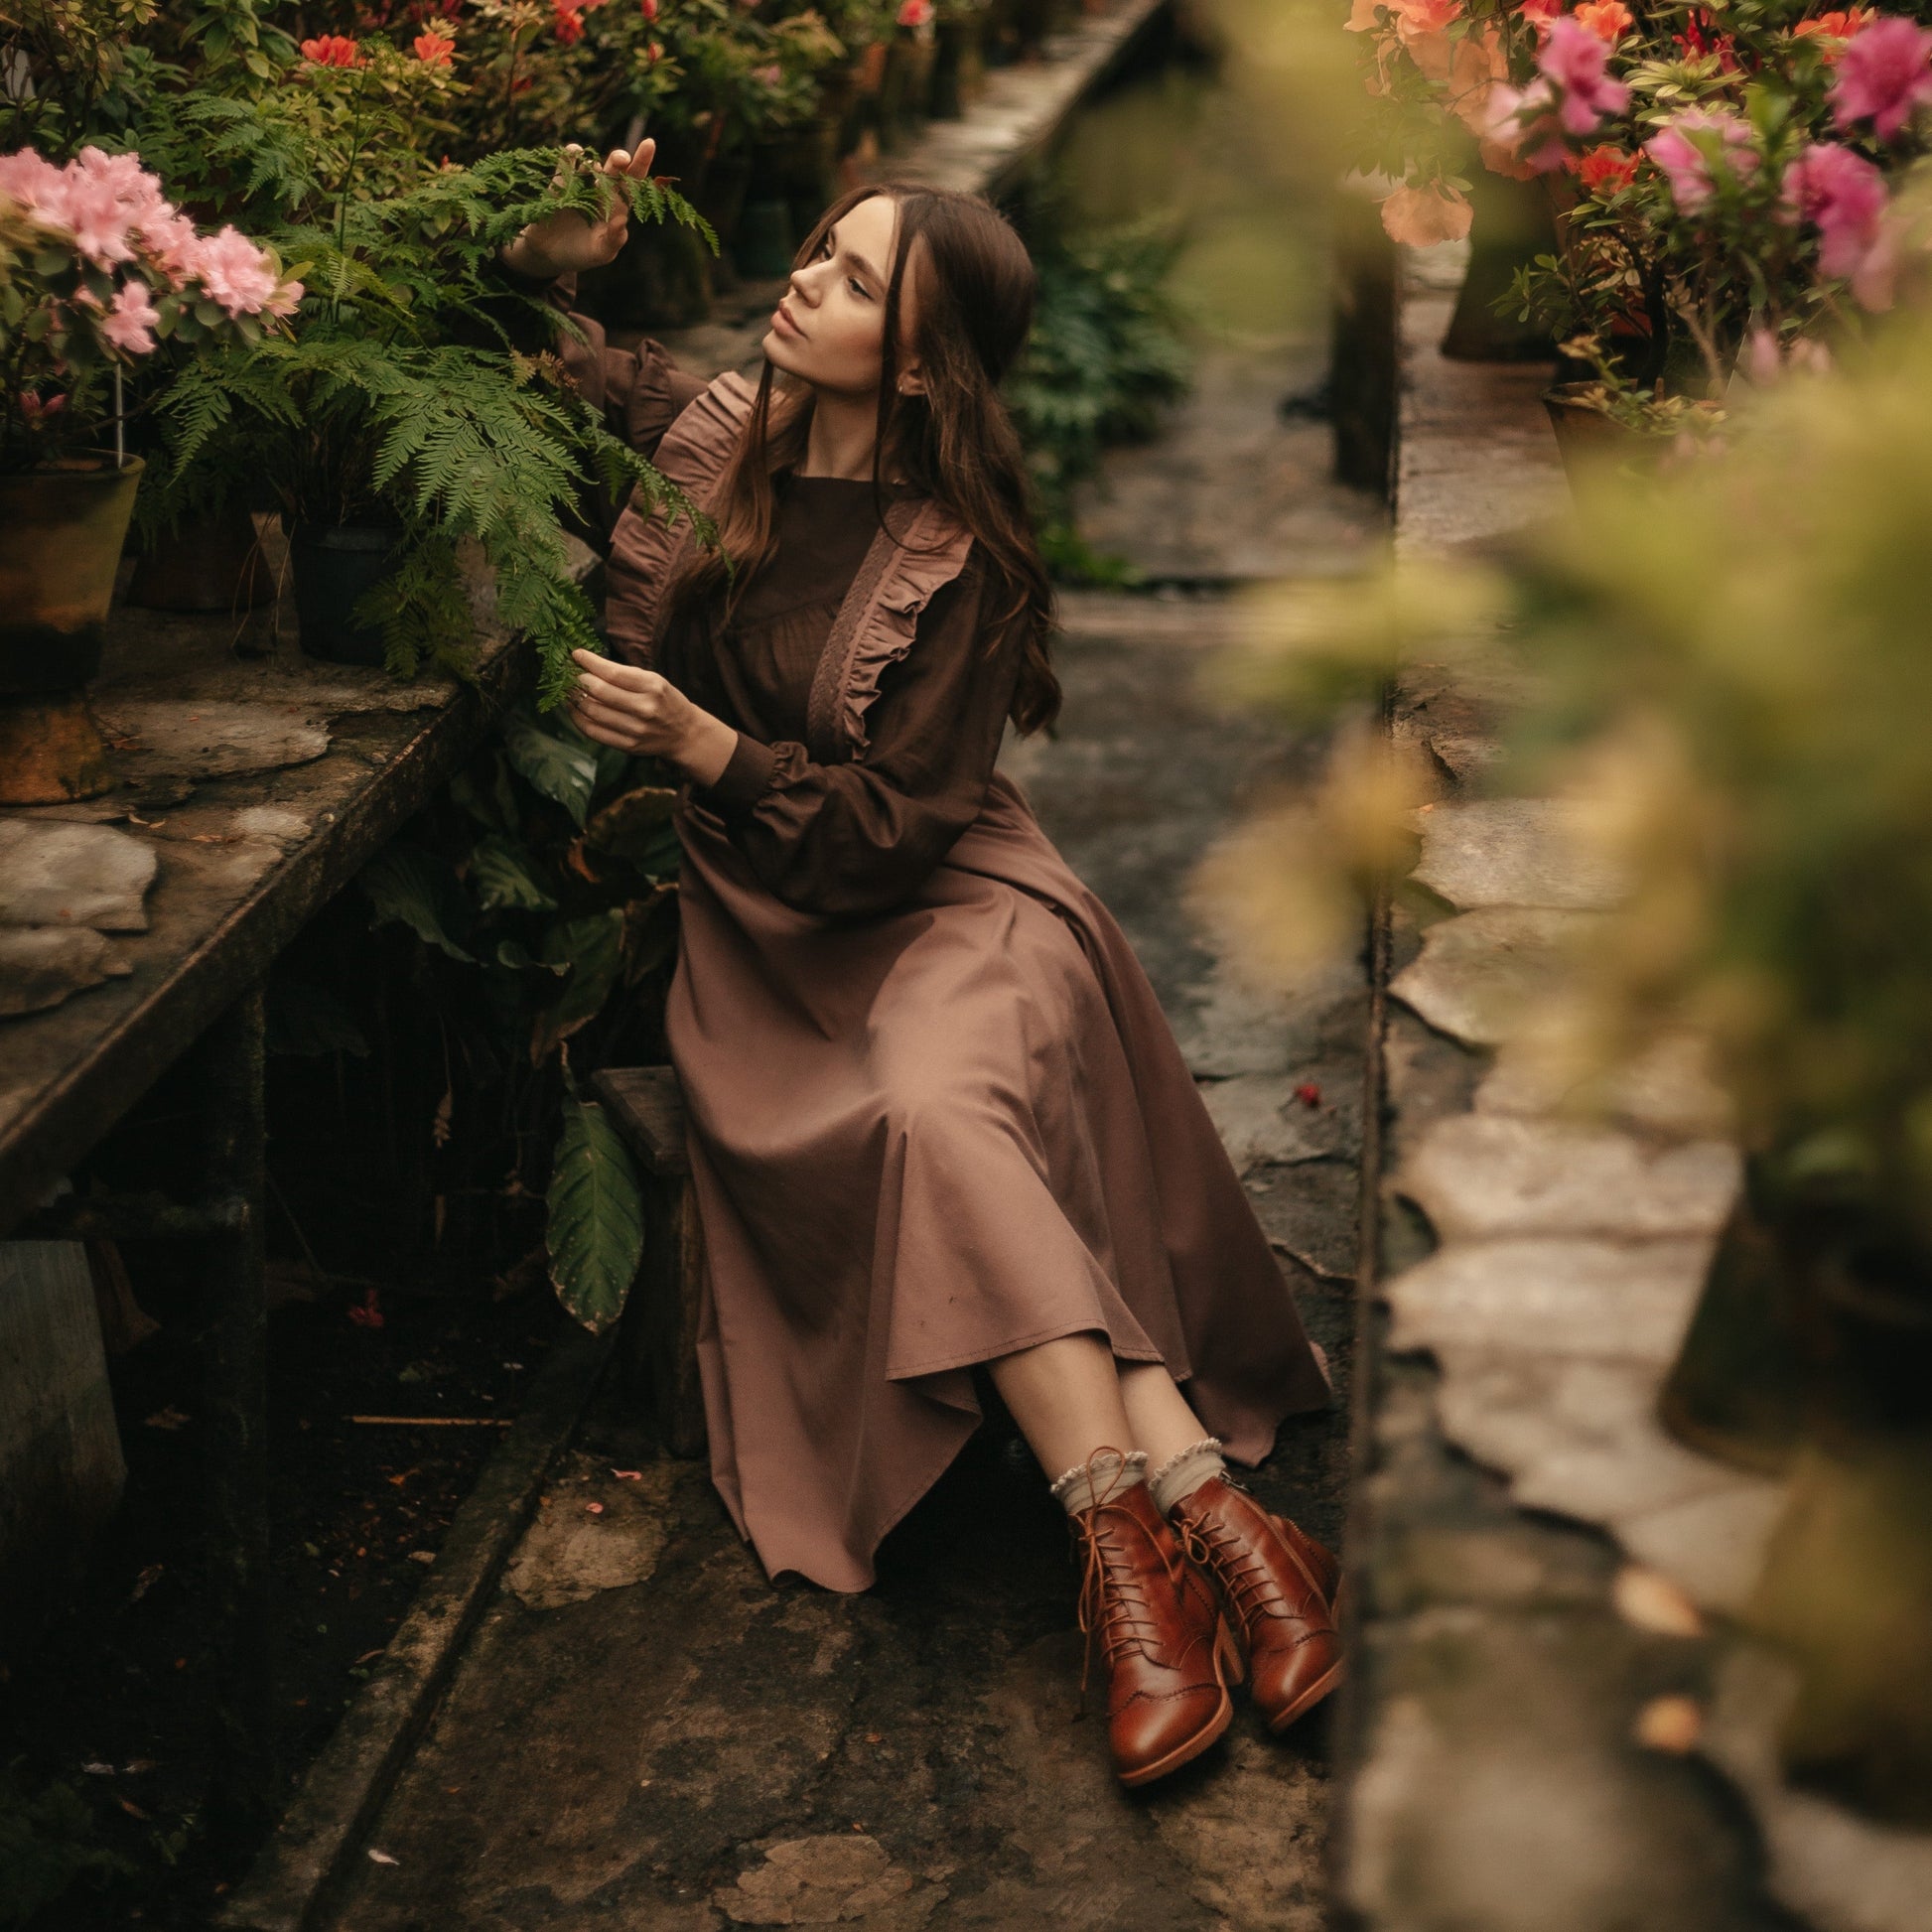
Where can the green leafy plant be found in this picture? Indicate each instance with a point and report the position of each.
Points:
(402, 399)
(1105, 357)
(543, 895)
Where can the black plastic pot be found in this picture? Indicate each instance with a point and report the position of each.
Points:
(333, 567)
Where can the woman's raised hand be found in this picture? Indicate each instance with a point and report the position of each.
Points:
(637, 711)
(565, 244)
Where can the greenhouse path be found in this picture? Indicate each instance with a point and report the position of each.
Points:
(646, 1735)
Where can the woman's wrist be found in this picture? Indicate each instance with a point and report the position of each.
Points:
(706, 750)
(520, 258)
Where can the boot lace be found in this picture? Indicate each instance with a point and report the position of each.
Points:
(1113, 1604)
(1233, 1560)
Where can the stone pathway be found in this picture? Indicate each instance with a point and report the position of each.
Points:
(646, 1735)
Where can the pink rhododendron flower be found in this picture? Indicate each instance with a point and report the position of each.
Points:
(234, 272)
(1882, 75)
(33, 180)
(333, 51)
(1844, 197)
(130, 322)
(1685, 162)
(649, 8)
(914, 12)
(1418, 217)
(432, 49)
(168, 240)
(1575, 59)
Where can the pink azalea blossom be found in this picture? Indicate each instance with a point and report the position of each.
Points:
(129, 325)
(1575, 59)
(168, 239)
(1882, 75)
(234, 272)
(35, 182)
(1570, 97)
(1685, 162)
(1844, 197)
(914, 12)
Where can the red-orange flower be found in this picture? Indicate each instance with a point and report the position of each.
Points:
(432, 49)
(1540, 13)
(1608, 20)
(333, 51)
(567, 18)
(1837, 29)
(1602, 171)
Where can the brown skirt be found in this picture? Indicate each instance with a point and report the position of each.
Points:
(926, 1139)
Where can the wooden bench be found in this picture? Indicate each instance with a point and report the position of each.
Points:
(657, 1338)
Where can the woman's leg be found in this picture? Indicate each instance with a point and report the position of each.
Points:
(1071, 1397)
(1158, 1413)
(1066, 1395)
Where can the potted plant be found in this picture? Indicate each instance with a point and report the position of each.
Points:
(97, 270)
(415, 406)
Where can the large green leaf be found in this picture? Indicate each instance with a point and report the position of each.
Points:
(504, 873)
(422, 892)
(593, 949)
(596, 1232)
(556, 758)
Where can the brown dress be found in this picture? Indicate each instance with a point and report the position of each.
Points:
(936, 1114)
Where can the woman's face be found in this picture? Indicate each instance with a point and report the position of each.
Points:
(830, 329)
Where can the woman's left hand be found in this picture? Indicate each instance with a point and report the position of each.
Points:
(568, 243)
(637, 711)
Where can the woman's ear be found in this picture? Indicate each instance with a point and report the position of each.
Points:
(911, 380)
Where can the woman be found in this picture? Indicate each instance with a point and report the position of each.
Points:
(937, 1120)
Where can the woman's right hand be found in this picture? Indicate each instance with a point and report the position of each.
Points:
(565, 244)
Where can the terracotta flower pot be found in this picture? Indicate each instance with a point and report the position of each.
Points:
(60, 537)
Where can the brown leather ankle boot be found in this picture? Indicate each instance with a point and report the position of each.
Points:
(1168, 1651)
(1279, 1584)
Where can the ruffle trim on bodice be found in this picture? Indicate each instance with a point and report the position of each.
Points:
(645, 549)
(901, 574)
(909, 564)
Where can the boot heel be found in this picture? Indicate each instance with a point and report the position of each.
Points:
(1234, 1668)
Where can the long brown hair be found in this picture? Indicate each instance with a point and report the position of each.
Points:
(953, 443)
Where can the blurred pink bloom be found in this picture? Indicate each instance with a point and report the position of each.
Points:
(1686, 164)
(1575, 59)
(130, 322)
(33, 180)
(914, 12)
(234, 272)
(1882, 75)
(169, 241)
(1844, 197)
(649, 9)
(1766, 358)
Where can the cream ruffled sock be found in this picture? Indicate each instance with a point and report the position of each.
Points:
(1105, 1474)
(1184, 1471)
